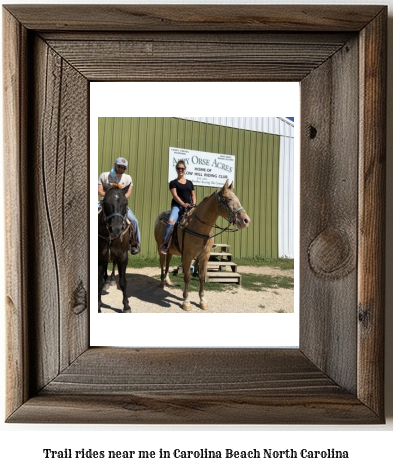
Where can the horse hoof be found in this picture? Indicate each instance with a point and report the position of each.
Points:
(162, 284)
(127, 310)
(106, 287)
(112, 283)
(204, 306)
(186, 306)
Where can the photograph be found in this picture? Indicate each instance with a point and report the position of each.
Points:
(214, 193)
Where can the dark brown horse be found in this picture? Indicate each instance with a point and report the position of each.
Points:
(113, 239)
(195, 238)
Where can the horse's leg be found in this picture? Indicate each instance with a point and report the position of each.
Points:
(106, 282)
(122, 266)
(187, 275)
(112, 280)
(202, 275)
(162, 262)
(101, 281)
(168, 261)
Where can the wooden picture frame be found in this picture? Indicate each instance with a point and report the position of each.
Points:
(338, 54)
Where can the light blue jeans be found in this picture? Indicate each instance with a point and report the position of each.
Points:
(134, 221)
(173, 216)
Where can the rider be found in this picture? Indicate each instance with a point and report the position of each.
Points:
(117, 175)
(183, 196)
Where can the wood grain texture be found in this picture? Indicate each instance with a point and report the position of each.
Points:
(197, 18)
(59, 174)
(328, 249)
(15, 75)
(193, 386)
(186, 60)
(335, 376)
(372, 189)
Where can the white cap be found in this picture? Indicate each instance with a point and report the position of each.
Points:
(122, 161)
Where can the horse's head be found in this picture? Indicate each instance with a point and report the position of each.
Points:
(114, 206)
(230, 207)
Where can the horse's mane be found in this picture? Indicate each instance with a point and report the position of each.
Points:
(206, 198)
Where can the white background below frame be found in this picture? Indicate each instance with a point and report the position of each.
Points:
(190, 329)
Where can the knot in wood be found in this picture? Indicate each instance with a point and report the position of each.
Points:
(331, 254)
(80, 299)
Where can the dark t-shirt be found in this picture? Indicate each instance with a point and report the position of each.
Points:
(183, 191)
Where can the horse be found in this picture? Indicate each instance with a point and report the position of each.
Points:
(113, 239)
(195, 239)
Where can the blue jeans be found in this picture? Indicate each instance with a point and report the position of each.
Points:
(134, 221)
(173, 216)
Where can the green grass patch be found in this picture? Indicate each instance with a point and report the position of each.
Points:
(141, 261)
(257, 261)
(250, 281)
(254, 282)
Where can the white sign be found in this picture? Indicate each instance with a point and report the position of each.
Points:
(203, 168)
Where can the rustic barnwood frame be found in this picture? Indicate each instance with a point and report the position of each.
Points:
(338, 54)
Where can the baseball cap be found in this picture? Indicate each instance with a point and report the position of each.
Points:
(122, 161)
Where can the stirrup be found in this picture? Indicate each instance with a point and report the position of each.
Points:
(163, 250)
(134, 249)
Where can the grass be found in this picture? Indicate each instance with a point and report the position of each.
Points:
(250, 281)
(253, 282)
(257, 261)
(139, 261)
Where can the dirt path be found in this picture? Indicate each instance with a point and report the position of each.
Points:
(146, 296)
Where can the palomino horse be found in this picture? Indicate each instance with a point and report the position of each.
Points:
(113, 239)
(195, 238)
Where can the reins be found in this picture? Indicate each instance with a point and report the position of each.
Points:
(104, 219)
(231, 219)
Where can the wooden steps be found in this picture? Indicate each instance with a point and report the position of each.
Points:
(220, 267)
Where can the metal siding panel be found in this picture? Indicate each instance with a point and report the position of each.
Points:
(275, 187)
(282, 244)
(252, 189)
(264, 191)
(286, 213)
(240, 178)
(257, 208)
(271, 125)
(269, 201)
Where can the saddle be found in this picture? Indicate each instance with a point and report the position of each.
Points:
(133, 242)
(181, 223)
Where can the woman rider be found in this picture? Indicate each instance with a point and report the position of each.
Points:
(183, 195)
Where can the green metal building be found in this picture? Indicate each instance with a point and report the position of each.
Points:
(145, 143)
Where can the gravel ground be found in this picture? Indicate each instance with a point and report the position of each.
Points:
(146, 296)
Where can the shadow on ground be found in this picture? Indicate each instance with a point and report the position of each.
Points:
(143, 288)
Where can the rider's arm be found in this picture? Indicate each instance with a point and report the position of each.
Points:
(193, 197)
(128, 193)
(101, 191)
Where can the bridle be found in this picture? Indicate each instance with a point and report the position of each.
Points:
(106, 220)
(231, 219)
(232, 212)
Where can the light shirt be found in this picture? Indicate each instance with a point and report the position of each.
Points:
(108, 178)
